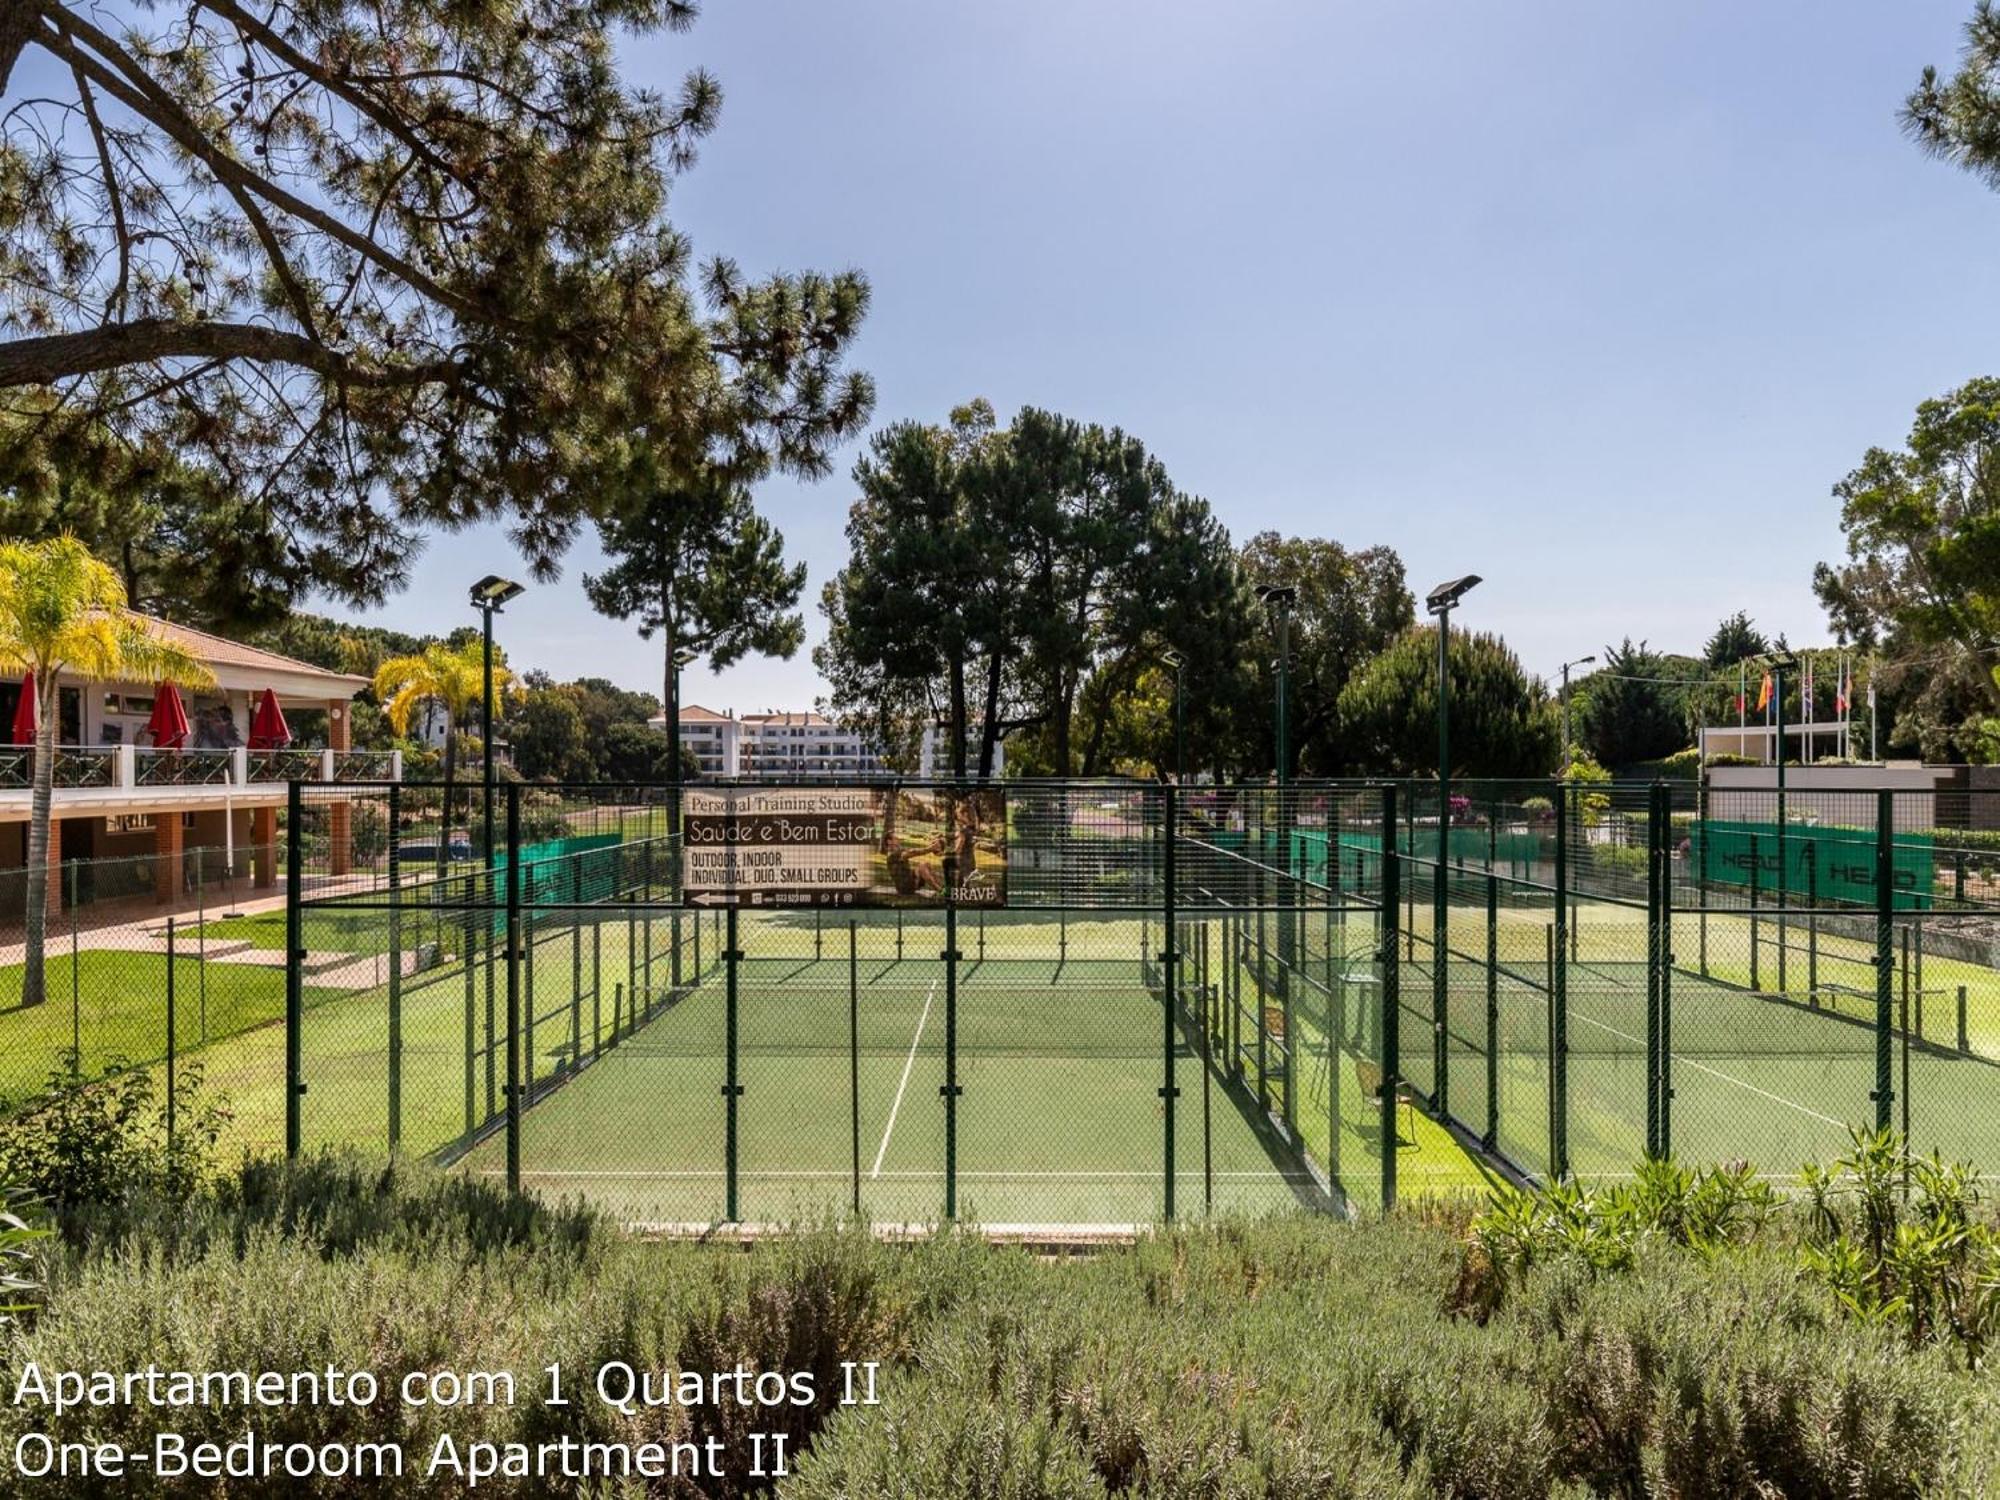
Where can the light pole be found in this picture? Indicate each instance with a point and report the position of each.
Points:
(1581, 661)
(1440, 602)
(1279, 599)
(488, 596)
(1176, 661)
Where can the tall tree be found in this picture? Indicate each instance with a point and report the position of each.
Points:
(545, 728)
(700, 567)
(1502, 720)
(1922, 576)
(1351, 604)
(1020, 579)
(391, 266)
(1635, 708)
(185, 547)
(1736, 639)
(62, 614)
(922, 616)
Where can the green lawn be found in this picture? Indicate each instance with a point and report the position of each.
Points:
(113, 1004)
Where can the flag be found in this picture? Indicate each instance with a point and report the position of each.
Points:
(1840, 691)
(1764, 694)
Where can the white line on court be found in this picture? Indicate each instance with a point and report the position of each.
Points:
(1716, 1073)
(717, 1174)
(908, 1063)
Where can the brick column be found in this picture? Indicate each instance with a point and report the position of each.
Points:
(166, 856)
(264, 847)
(340, 816)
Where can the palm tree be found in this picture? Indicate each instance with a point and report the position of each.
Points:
(453, 678)
(63, 614)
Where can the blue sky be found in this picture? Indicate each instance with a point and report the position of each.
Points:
(1596, 300)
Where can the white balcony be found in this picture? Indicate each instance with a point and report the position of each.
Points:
(114, 778)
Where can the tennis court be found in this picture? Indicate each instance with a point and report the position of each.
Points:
(1770, 1078)
(841, 1067)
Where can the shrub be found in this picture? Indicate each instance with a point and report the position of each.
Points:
(95, 1140)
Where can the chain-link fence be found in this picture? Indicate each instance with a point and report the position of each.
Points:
(1176, 1010)
(1635, 969)
(144, 961)
(1192, 999)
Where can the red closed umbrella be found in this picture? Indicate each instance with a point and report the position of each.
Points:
(24, 712)
(169, 723)
(268, 729)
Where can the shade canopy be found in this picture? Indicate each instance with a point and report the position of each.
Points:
(25, 717)
(268, 729)
(169, 722)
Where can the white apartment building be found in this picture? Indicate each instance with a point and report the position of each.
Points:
(788, 745)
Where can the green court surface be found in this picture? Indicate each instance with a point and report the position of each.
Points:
(1776, 1080)
(1060, 1119)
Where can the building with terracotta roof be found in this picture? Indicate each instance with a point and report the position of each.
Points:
(117, 796)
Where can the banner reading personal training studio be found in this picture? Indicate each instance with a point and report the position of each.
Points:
(844, 846)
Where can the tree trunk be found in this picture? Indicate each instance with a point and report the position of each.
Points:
(34, 968)
(958, 717)
(17, 24)
(989, 729)
(1065, 707)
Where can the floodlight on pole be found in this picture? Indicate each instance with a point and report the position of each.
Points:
(488, 596)
(1279, 598)
(1441, 601)
(1176, 661)
(1581, 661)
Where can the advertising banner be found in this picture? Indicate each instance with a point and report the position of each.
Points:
(844, 846)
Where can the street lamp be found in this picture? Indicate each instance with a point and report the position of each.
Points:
(1581, 661)
(1440, 602)
(1279, 599)
(1176, 661)
(488, 596)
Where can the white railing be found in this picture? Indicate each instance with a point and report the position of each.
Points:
(140, 767)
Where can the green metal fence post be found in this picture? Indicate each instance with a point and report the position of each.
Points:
(854, 1051)
(1756, 878)
(732, 1087)
(1170, 998)
(1657, 897)
(468, 936)
(1492, 1136)
(1559, 999)
(395, 970)
(1391, 1003)
(295, 958)
(1698, 849)
(1812, 920)
(950, 1089)
(173, 1039)
(527, 966)
(1652, 972)
(576, 964)
(201, 939)
(1441, 953)
(76, 971)
(1884, 1093)
(513, 985)
(1666, 1079)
